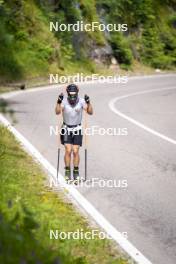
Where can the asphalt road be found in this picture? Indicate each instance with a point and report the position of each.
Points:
(146, 209)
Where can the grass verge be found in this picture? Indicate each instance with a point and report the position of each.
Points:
(28, 210)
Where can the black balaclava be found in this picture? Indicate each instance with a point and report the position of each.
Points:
(72, 91)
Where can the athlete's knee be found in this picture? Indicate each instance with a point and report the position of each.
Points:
(75, 151)
(68, 150)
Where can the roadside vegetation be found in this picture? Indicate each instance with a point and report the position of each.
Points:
(29, 50)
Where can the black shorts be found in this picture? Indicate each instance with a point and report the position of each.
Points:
(69, 137)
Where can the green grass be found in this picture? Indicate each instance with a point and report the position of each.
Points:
(29, 209)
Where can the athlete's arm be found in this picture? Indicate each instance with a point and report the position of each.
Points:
(89, 108)
(59, 107)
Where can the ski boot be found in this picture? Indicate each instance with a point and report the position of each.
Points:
(76, 175)
(67, 173)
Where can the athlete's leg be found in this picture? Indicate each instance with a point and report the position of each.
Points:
(76, 162)
(67, 157)
(76, 157)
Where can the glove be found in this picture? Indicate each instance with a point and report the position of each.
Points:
(60, 98)
(87, 99)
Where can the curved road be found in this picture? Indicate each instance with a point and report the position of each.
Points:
(146, 209)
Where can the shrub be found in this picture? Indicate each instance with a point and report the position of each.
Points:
(121, 49)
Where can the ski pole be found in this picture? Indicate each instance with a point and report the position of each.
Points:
(85, 142)
(85, 165)
(59, 148)
(58, 159)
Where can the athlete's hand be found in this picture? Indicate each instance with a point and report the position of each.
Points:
(60, 98)
(87, 99)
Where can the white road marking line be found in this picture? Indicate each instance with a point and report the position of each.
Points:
(152, 131)
(88, 207)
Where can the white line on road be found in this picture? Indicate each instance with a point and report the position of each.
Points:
(88, 207)
(152, 131)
